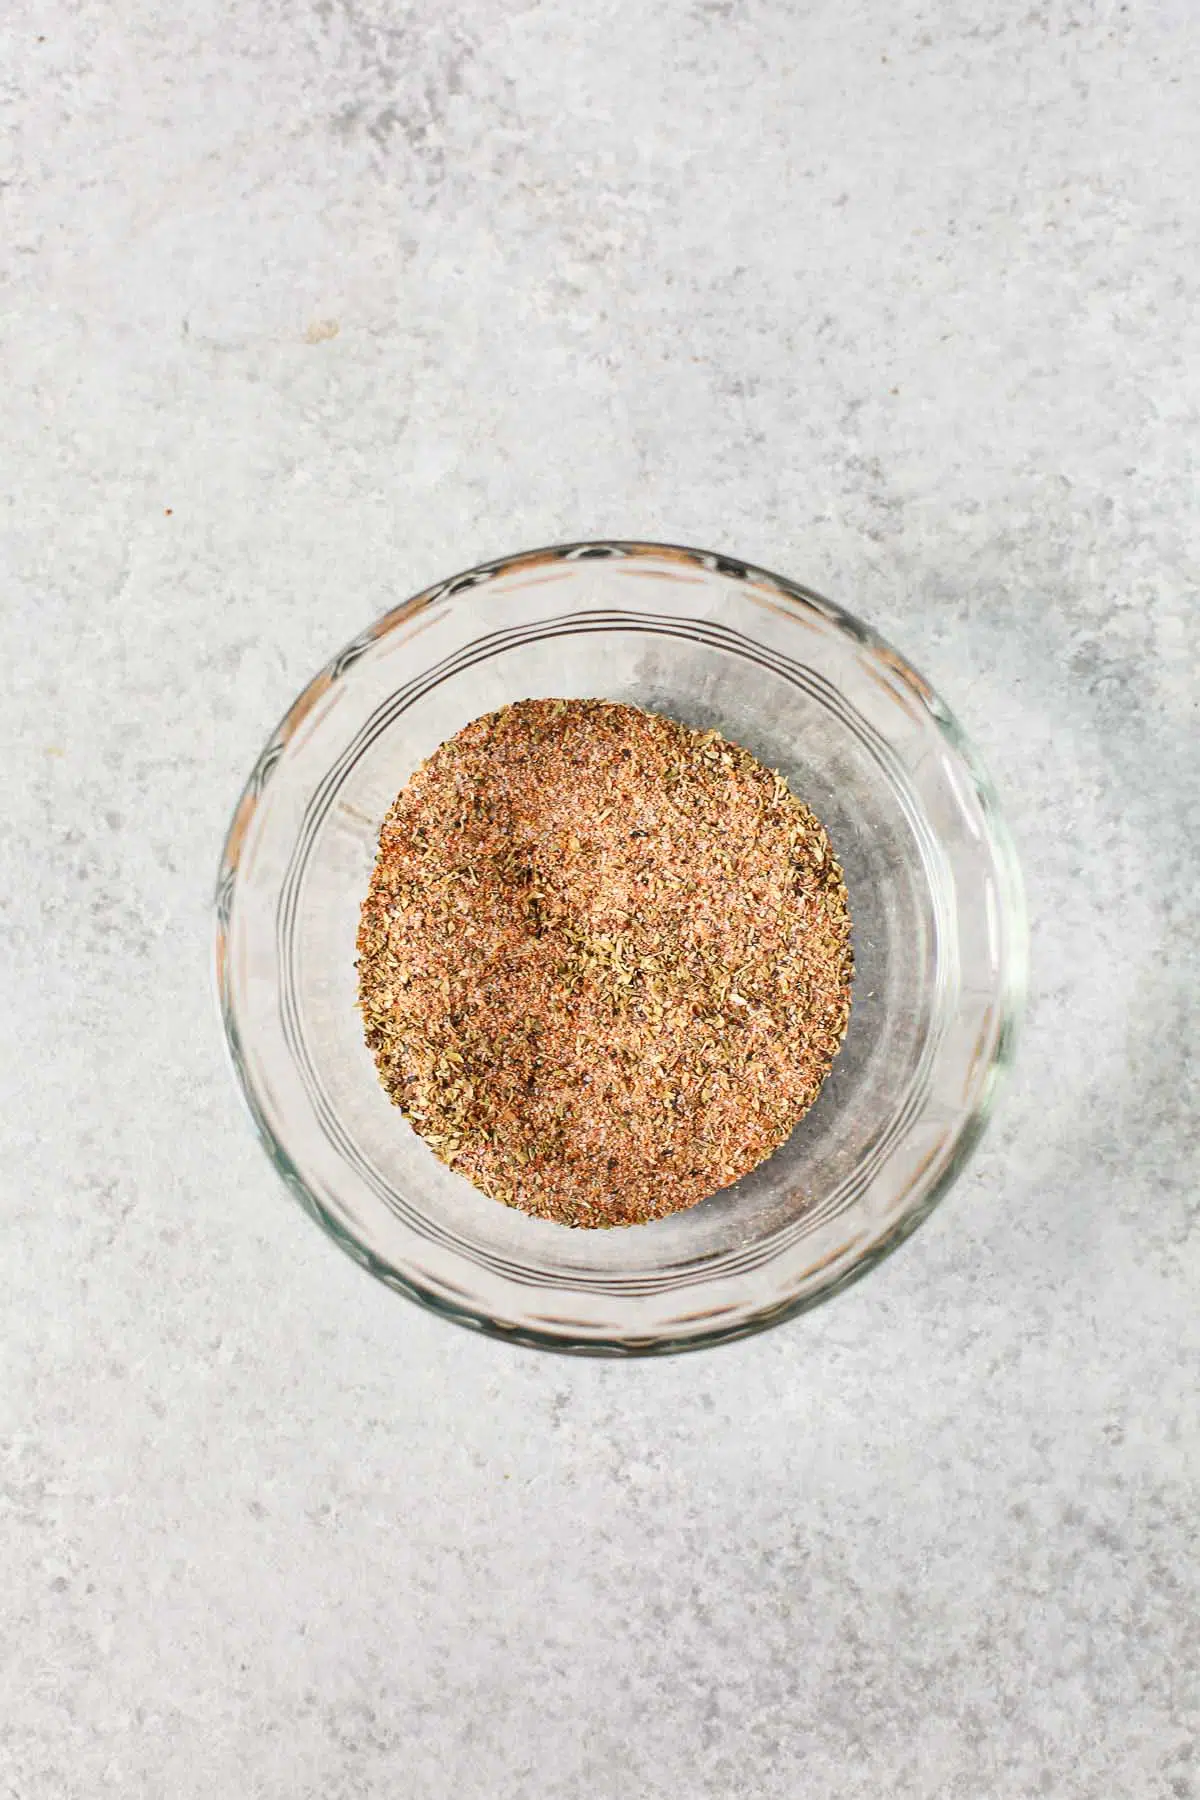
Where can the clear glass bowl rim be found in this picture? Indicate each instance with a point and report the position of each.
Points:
(1011, 985)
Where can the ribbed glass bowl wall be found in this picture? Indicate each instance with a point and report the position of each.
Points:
(934, 888)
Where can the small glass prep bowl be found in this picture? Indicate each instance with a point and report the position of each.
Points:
(935, 895)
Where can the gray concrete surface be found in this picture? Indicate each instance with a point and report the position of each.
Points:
(306, 306)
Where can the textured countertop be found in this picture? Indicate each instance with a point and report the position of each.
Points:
(305, 307)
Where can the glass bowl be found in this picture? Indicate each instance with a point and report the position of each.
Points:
(935, 895)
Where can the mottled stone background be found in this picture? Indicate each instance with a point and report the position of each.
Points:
(306, 306)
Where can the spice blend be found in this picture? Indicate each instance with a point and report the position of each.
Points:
(604, 963)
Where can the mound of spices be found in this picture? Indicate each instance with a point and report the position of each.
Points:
(604, 963)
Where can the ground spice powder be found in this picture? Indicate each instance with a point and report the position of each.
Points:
(604, 963)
